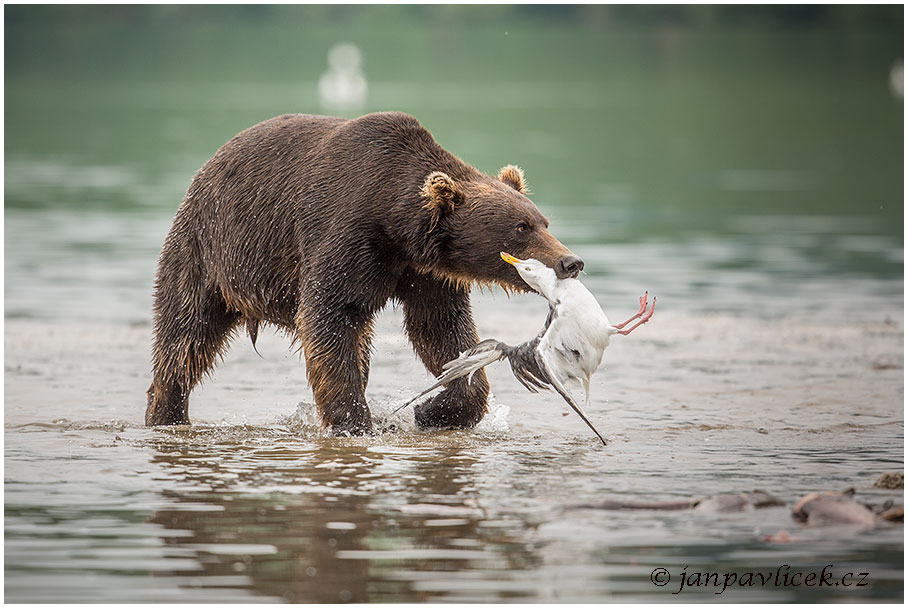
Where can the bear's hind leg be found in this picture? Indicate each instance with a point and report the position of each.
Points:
(440, 325)
(187, 341)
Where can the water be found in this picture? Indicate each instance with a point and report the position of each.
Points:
(759, 198)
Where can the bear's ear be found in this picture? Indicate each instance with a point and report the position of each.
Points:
(441, 195)
(514, 177)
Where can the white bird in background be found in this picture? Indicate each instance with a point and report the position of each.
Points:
(567, 351)
(896, 79)
(343, 86)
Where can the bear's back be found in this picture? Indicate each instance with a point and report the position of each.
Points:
(271, 195)
(304, 134)
(285, 156)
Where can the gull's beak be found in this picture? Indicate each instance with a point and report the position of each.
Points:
(509, 258)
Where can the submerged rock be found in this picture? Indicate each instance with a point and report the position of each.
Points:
(832, 507)
(814, 509)
(737, 502)
(726, 502)
(621, 504)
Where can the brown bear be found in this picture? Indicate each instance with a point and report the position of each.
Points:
(313, 223)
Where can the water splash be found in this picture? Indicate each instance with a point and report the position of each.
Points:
(496, 420)
(305, 419)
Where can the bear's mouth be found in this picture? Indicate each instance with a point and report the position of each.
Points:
(521, 285)
(571, 275)
(566, 268)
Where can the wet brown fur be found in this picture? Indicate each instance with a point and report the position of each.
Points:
(312, 224)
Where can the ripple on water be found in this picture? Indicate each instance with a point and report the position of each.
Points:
(255, 487)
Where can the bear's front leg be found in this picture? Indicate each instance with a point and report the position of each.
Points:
(440, 325)
(334, 339)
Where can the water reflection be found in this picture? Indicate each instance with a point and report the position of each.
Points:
(413, 521)
(329, 523)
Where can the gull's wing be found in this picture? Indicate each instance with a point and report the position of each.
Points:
(544, 364)
(479, 356)
(523, 358)
(524, 365)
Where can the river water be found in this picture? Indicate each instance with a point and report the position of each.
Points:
(770, 229)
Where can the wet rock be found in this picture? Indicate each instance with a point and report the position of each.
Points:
(832, 507)
(893, 514)
(889, 480)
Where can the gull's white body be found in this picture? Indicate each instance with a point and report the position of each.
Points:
(573, 342)
(579, 333)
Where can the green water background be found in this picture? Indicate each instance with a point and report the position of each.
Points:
(670, 121)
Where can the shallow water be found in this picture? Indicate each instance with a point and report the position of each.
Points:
(774, 360)
(254, 500)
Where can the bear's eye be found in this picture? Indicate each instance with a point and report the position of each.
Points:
(522, 227)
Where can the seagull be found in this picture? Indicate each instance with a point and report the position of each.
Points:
(567, 350)
(343, 86)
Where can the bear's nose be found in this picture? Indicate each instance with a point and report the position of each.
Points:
(570, 266)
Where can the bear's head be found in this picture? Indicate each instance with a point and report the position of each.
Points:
(475, 219)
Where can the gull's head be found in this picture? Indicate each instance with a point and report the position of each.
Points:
(537, 275)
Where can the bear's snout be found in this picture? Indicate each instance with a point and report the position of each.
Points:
(569, 266)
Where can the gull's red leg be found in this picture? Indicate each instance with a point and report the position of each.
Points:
(643, 321)
(643, 301)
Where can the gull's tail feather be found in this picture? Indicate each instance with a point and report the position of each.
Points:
(479, 356)
(567, 397)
